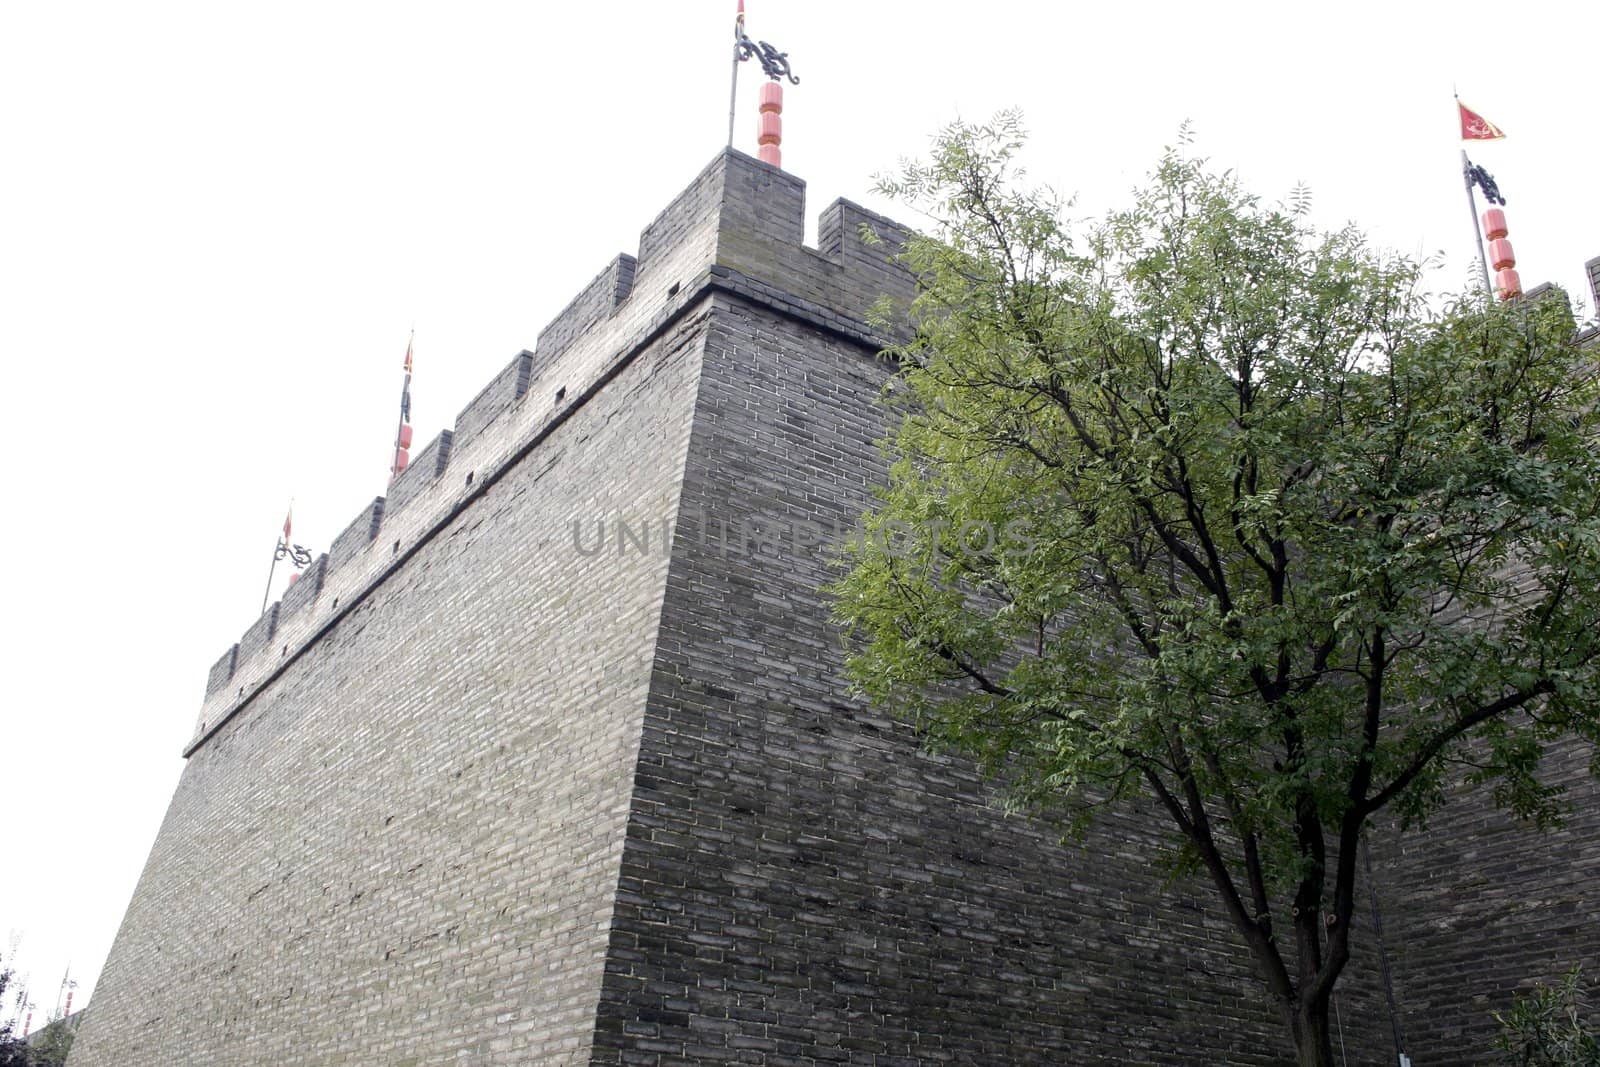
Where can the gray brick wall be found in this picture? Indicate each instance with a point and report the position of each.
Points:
(426, 466)
(1479, 906)
(481, 792)
(801, 884)
(403, 849)
(506, 388)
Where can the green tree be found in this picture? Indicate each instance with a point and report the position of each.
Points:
(1546, 1028)
(50, 1047)
(1202, 504)
(13, 1049)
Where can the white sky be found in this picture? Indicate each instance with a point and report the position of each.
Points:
(218, 223)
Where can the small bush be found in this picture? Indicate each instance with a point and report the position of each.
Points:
(1546, 1028)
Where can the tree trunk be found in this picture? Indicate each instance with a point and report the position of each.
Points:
(1313, 1038)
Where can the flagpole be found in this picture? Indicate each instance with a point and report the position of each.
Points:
(1477, 230)
(733, 94)
(270, 570)
(279, 549)
(733, 90)
(405, 391)
(282, 542)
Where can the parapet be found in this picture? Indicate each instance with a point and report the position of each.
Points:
(362, 529)
(1588, 332)
(597, 301)
(506, 388)
(427, 466)
(738, 230)
(303, 591)
(222, 670)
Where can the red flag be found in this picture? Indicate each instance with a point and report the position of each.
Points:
(288, 521)
(408, 353)
(738, 23)
(1474, 127)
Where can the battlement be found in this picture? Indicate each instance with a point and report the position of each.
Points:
(737, 229)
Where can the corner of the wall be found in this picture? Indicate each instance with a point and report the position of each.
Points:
(738, 217)
(762, 214)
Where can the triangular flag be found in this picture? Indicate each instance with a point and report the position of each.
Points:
(1474, 127)
(288, 522)
(408, 353)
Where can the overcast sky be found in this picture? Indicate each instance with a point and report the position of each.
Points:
(218, 223)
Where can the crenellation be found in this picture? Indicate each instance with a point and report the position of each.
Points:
(357, 536)
(762, 224)
(604, 293)
(303, 590)
(222, 670)
(259, 636)
(443, 447)
(505, 389)
(693, 214)
(738, 228)
(762, 217)
(763, 202)
(840, 235)
(426, 466)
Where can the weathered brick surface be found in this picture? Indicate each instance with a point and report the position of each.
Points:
(404, 848)
(505, 389)
(303, 593)
(801, 884)
(419, 476)
(354, 539)
(597, 301)
(1479, 906)
(486, 788)
(221, 671)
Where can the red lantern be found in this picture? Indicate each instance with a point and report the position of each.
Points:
(1509, 284)
(401, 458)
(405, 435)
(1500, 255)
(769, 129)
(1494, 223)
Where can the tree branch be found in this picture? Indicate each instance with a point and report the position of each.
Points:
(1435, 744)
